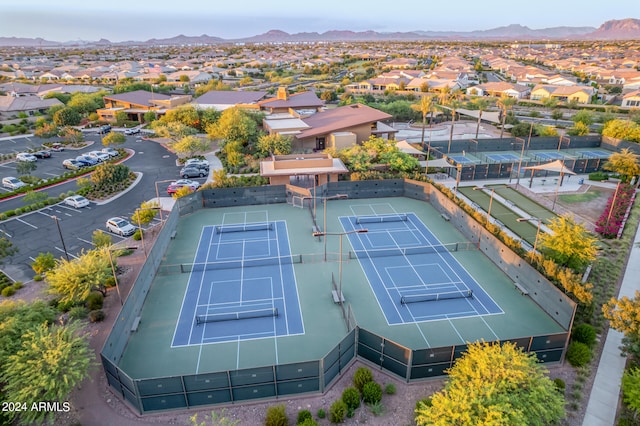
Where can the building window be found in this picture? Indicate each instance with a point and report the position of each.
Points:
(320, 144)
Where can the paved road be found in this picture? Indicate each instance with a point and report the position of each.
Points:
(37, 232)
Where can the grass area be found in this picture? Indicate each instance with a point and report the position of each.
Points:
(525, 203)
(579, 198)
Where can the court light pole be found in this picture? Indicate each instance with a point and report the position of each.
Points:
(493, 191)
(64, 247)
(113, 268)
(535, 243)
(340, 234)
(518, 140)
(324, 225)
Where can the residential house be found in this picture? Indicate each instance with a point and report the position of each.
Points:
(581, 94)
(11, 106)
(500, 88)
(223, 99)
(283, 102)
(631, 100)
(136, 104)
(302, 169)
(401, 63)
(192, 77)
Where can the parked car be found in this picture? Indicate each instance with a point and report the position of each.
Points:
(132, 131)
(56, 147)
(174, 186)
(104, 129)
(45, 153)
(110, 152)
(120, 226)
(98, 155)
(77, 201)
(25, 156)
(86, 160)
(12, 183)
(72, 164)
(190, 171)
(196, 162)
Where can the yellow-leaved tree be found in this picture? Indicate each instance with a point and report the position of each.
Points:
(569, 243)
(494, 384)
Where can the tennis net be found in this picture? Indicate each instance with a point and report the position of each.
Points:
(431, 297)
(382, 218)
(241, 263)
(232, 316)
(245, 227)
(404, 251)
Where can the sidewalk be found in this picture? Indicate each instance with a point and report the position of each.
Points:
(605, 393)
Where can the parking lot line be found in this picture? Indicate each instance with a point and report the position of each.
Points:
(70, 254)
(26, 223)
(5, 233)
(85, 241)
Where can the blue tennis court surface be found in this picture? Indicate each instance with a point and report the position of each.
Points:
(503, 158)
(461, 159)
(594, 154)
(414, 277)
(241, 286)
(551, 155)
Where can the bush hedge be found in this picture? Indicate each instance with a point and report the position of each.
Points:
(276, 416)
(351, 397)
(584, 333)
(94, 301)
(372, 393)
(303, 415)
(361, 377)
(337, 411)
(578, 354)
(96, 316)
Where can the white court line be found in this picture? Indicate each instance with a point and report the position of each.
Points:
(199, 286)
(295, 284)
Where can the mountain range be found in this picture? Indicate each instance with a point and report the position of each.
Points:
(623, 29)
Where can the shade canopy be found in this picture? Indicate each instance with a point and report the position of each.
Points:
(440, 163)
(555, 166)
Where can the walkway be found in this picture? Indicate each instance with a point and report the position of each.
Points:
(605, 393)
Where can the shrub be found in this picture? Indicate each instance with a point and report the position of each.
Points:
(65, 306)
(37, 277)
(94, 301)
(426, 401)
(303, 415)
(390, 389)
(578, 354)
(362, 376)
(321, 414)
(96, 316)
(377, 409)
(372, 393)
(308, 422)
(584, 333)
(559, 384)
(351, 397)
(137, 235)
(337, 411)
(78, 312)
(276, 416)
(8, 291)
(18, 285)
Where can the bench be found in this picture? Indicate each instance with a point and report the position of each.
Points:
(336, 299)
(523, 290)
(136, 323)
(173, 235)
(445, 216)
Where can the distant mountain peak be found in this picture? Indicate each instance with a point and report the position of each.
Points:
(618, 29)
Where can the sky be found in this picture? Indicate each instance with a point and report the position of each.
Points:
(121, 20)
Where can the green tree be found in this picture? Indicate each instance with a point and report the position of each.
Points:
(425, 107)
(329, 96)
(550, 103)
(583, 116)
(25, 167)
(83, 103)
(46, 130)
(149, 116)
(505, 103)
(625, 163)
(145, 214)
(579, 129)
(631, 389)
(481, 104)
(43, 263)
(113, 138)
(6, 248)
(192, 145)
(494, 384)
(569, 243)
(71, 136)
(274, 144)
(556, 114)
(34, 197)
(109, 174)
(173, 130)
(234, 125)
(73, 280)
(100, 239)
(67, 116)
(121, 117)
(50, 362)
(185, 114)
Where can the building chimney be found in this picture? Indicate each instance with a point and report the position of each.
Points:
(282, 93)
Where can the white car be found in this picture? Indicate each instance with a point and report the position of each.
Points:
(196, 162)
(110, 152)
(132, 131)
(25, 156)
(13, 183)
(76, 201)
(120, 226)
(99, 155)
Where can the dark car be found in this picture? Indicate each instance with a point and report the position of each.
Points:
(189, 172)
(42, 154)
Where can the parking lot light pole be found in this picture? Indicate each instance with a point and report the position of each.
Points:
(64, 247)
(340, 234)
(158, 193)
(137, 214)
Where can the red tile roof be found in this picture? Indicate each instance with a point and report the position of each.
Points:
(297, 100)
(341, 118)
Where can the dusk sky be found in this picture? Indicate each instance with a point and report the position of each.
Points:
(120, 20)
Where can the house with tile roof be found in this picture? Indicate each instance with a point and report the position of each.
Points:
(631, 100)
(136, 104)
(500, 88)
(11, 106)
(223, 99)
(580, 94)
(283, 102)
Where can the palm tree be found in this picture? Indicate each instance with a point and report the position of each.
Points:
(482, 104)
(505, 103)
(425, 107)
(454, 102)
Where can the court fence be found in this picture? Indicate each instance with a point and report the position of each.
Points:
(151, 394)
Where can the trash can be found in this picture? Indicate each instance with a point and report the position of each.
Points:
(580, 181)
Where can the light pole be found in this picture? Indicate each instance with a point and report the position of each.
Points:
(113, 269)
(64, 247)
(324, 225)
(459, 169)
(493, 191)
(137, 216)
(535, 243)
(341, 234)
(158, 194)
(518, 140)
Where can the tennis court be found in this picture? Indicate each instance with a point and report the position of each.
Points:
(551, 155)
(241, 286)
(462, 159)
(414, 276)
(503, 158)
(594, 154)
